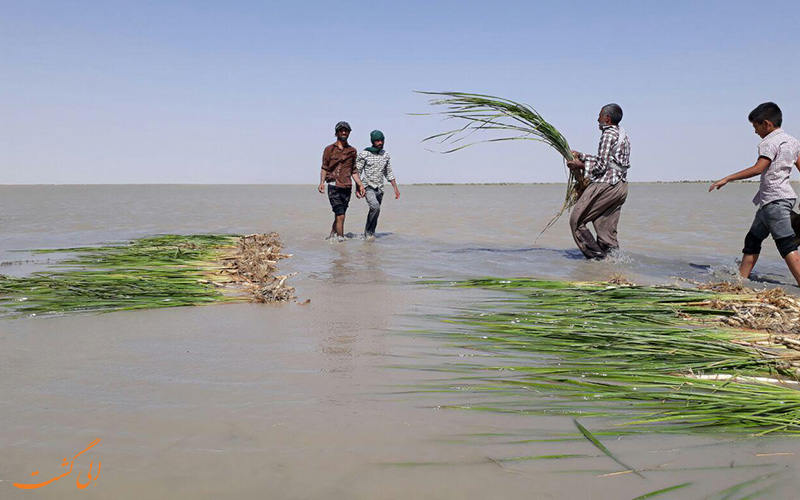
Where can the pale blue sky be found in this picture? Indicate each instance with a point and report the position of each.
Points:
(249, 92)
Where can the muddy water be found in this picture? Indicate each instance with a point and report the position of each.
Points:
(327, 400)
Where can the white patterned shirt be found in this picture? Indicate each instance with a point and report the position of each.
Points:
(372, 168)
(782, 150)
(613, 158)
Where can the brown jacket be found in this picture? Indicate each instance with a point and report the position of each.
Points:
(339, 165)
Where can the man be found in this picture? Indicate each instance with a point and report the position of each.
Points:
(602, 200)
(338, 166)
(374, 164)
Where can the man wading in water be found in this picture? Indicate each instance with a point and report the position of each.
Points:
(338, 165)
(602, 200)
(373, 165)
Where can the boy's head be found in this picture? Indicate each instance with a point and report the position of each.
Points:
(766, 118)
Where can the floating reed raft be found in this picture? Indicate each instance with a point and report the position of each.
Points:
(154, 272)
(659, 358)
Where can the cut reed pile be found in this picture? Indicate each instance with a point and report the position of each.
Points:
(626, 351)
(253, 265)
(155, 272)
(773, 311)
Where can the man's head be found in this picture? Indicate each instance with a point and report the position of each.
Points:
(766, 118)
(377, 139)
(342, 131)
(610, 114)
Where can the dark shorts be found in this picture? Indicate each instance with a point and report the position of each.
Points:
(339, 198)
(774, 219)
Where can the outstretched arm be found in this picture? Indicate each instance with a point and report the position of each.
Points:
(762, 164)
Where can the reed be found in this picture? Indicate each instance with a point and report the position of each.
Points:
(155, 272)
(513, 120)
(634, 354)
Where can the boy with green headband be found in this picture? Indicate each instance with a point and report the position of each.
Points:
(374, 164)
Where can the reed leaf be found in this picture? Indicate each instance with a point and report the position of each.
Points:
(588, 435)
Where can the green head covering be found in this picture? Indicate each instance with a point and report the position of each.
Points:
(375, 135)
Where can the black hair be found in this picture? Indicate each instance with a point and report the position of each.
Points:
(612, 111)
(766, 111)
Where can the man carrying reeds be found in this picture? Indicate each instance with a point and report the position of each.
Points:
(374, 164)
(603, 198)
(338, 166)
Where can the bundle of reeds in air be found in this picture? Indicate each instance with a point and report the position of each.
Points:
(515, 121)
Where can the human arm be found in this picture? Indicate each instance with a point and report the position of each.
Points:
(321, 187)
(597, 164)
(389, 174)
(360, 190)
(326, 159)
(361, 164)
(761, 165)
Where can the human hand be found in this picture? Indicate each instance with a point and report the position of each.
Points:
(396, 194)
(575, 164)
(576, 154)
(321, 187)
(718, 184)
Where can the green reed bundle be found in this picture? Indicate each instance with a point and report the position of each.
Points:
(624, 351)
(155, 272)
(478, 112)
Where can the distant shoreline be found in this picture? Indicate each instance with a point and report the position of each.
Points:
(409, 184)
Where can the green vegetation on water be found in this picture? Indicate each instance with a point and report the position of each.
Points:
(624, 353)
(155, 272)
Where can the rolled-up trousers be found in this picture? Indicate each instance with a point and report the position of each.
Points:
(599, 204)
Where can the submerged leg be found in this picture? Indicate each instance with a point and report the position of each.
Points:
(339, 225)
(606, 224)
(374, 199)
(587, 210)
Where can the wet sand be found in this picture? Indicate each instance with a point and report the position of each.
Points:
(325, 400)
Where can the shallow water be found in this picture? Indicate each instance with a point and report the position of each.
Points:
(323, 400)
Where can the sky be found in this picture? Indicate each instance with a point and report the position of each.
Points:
(100, 92)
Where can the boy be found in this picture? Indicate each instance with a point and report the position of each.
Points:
(374, 164)
(777, 152)
(338, 166)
